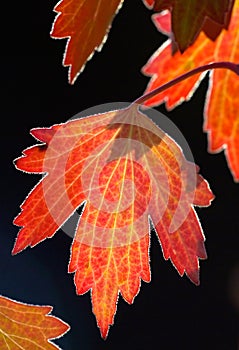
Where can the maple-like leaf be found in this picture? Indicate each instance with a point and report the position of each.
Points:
(189, 17)
(222, 105)
(128, 173)
(85, 24)
(24, 326)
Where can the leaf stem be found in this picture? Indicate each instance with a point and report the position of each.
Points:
(225, 65)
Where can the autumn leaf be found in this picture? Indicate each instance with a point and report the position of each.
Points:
(128, 174)
(190, 17)
(221, 117)
(86, 25)
(24, 326)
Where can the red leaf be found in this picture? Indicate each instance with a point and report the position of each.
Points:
(108, 271)
(190, 17)
(86, 25)
(24, 326)
(125, 169)
(221, 109)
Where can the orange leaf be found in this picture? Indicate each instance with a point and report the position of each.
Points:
(222, 105)
(128, 173)
(85, 24)
(190, 17)
(24, 326)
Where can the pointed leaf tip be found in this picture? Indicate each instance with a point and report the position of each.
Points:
(85, 24)
(24, 326)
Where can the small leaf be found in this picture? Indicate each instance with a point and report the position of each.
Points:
(190, 17)
(129, 174)
(24, 326)
(86, 25)
(222, 105)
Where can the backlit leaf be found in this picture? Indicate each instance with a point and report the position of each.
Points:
(86, 25)
(25, 327)
(129, 175)
(222, 105)
(190, 16)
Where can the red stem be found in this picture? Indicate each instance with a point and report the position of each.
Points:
(226, 65)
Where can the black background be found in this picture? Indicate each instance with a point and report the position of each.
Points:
(170, 312)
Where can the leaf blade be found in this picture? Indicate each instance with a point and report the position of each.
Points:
(26, 326)
(189, 17)
(85, 24)
(127, 171)
(221, 110)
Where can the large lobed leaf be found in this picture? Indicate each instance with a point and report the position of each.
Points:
(24, 326)
(222, 105)
(85, 24)
(128, 173)
(189, 17)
